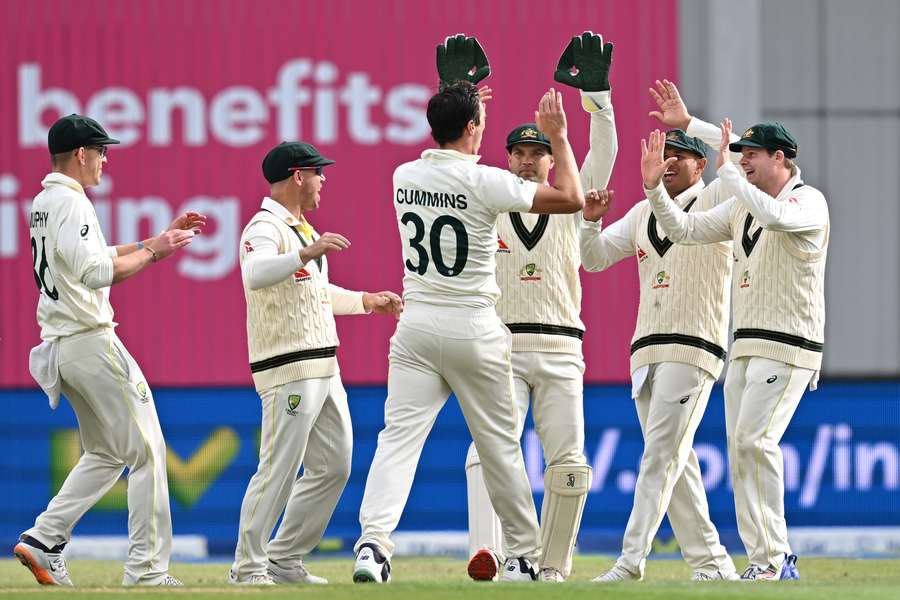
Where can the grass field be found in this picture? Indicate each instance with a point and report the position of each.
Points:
(440, 578)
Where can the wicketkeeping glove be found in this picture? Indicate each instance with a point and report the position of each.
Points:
(591, 57)
(461, 58)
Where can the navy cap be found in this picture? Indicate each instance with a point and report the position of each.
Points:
(287, 156)
(75, 131)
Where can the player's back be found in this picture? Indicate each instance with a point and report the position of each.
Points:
(447, 207)
(66, 240)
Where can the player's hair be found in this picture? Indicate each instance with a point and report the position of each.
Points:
(60, 158)
(451, 109)
(788, 163)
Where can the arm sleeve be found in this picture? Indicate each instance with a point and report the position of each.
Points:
(692, 228)
(345, 302)
(507, 192)
(261, 263)
(81, 247)
(601, 249)
(711, 135)
(604, 145)
(805, 211)
(111, 250)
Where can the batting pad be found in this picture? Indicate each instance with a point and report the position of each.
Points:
(565, 492)
(484, 524)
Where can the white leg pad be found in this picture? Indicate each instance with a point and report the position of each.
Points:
(565, 492)
(484, 524)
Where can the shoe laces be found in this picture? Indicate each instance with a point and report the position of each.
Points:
(169, 580)
(612, 575)
(701, 576)
(549, 573)
(751, 572)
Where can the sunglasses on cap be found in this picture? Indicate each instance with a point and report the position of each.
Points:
(318, 169)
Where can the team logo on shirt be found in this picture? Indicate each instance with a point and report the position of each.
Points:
(501, 246)
(301, 275)
(661, 280)
(248, 247)
(745, 279)
(641, 255)
(293, 403)
(142, 390)
(84, 230)
(529, 273)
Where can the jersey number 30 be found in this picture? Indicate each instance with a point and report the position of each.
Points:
(41, 269)
(434, 239)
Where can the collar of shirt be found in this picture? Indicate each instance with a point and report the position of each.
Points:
(278, 209)
(443, 154)
(59, 179)
(789, 186)
(689, 194)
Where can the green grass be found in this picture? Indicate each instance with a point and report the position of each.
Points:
(440, 578)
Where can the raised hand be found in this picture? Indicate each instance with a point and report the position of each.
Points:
(653, 166)
(461, 58)
(327, 242)
(591, 60)
(550, 117)
(724, 152)
(672, 110)
(166, 243)
(597, 204)
(189, 220)
(386, 303)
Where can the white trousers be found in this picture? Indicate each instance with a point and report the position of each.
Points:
(119, 428)
(670, 406)
(761, 396)
(305, 423)
(552, 384)
(432, 354)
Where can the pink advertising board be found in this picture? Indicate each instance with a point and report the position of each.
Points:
(199, 91)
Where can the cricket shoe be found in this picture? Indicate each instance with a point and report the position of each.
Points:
(46, 564)
(258, 579)
(789, 570)
(518, 569)
(785, 571)
(484, 565)
(551, 574)
(292, 571)
(715, 576)
(166, 580)
(615, 574)
(372, 566)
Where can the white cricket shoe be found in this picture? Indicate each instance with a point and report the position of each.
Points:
(484, 565)
(617, 573)
(257, 579)
(169, 580)
(46, 564)
(551, 574)
(518, 569)
(715, 576)
(292, 571)
(371, 566)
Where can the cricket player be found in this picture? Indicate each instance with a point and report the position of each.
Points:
(540, 302)
(677, 353)
(780, 227)
(450, 338)
(82, 358)
(293, 342)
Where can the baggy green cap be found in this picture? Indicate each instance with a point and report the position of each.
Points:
(526, 134)
(75, 131)
(770, 135)
(286, 156)
(679, 139)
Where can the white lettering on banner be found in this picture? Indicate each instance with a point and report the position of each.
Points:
(239, 115)
(209, 257)
(857, 467)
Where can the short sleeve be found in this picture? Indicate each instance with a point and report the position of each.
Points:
(506, 192)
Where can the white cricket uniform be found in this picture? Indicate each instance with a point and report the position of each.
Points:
(450, 339)
(677, 352)
(779, 318)
(305, 418)
(537, 270)
(82, 357)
